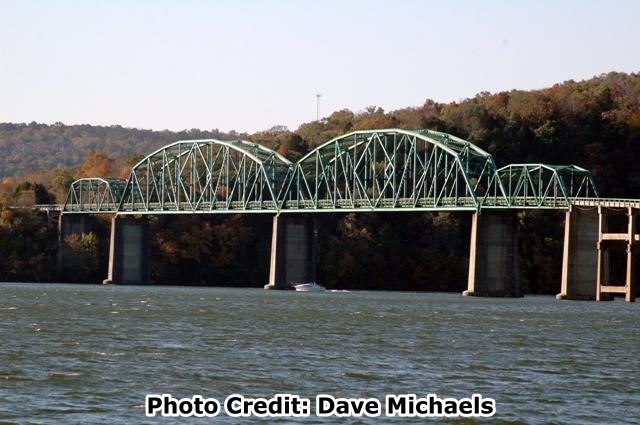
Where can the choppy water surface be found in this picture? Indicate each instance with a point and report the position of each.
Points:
(89, 354)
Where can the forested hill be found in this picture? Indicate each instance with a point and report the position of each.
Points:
(25, 147)
(593, 123)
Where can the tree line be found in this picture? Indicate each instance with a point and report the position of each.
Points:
(593, 123)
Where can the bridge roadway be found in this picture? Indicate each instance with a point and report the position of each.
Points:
(364, 171)
(407, 205)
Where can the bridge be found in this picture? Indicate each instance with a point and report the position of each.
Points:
(364, 171)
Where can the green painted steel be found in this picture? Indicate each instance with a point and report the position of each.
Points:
(373, 170)
(539, 185)
(394, 169)
(207, 176)
(96, 195)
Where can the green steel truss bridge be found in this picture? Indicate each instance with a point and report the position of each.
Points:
(375, 170)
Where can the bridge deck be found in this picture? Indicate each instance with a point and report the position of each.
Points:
(401, 204)
(607, 202)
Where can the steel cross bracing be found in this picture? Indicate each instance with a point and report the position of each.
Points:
(373, 170)
(393, 169)
(542, 185)
(206, 176)
(94, 195)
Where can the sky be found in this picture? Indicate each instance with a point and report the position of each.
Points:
(249, 65)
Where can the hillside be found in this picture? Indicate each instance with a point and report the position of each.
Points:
(593, 123)
(25, 147)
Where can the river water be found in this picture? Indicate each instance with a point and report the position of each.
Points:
(90, 353)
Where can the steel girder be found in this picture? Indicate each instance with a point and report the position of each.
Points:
(394, 169)
(207, 176)
(94, 195)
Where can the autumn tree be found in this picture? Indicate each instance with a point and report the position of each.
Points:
(96, 164)
(27, 247)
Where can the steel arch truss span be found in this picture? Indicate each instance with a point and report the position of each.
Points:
(373, 170)
(546, 186)
(207, 176)
(94, 195)
(395, 169)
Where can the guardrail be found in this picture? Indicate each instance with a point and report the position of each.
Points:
(308, 206)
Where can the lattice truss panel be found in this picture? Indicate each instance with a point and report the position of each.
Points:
(94, 195)
(542, 185)
(395, 169)
(205, 176)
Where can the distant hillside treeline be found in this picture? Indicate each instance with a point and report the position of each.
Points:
(26, 147)
(593, 123)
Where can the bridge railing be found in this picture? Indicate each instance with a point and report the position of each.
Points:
(48, 207)
(607, 202)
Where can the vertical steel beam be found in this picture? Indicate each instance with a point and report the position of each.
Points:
(631, 268)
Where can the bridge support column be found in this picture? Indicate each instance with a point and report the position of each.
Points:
(129, 251)
(70, 224)
(293, 258)
(607, 241)
(579, 257)
(493, 256)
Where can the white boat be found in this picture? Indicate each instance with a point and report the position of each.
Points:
(309, 287)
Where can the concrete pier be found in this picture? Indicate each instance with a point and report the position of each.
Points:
(129, 251)
(608, 241)
(293, 258)
(579, 257)
(493, 256)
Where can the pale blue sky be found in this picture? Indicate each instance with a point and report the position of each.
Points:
(248, 65)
